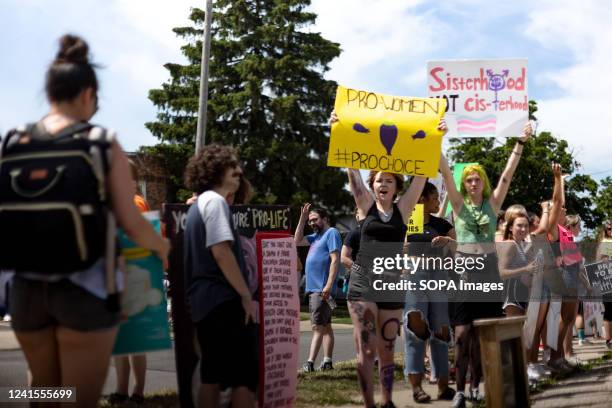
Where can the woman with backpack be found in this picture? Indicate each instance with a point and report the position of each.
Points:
(64, 319)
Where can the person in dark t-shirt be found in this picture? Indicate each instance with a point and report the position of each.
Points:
(426, 311)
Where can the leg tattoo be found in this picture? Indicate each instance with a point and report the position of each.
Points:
(386, 376)
(390, 340)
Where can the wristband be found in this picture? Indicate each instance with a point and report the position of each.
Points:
(522, 143)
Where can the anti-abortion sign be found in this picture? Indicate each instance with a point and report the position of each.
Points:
(280, 325)
(600, 276)
(485, 98)
(396, 134)
(247, 219)
(143, 302)
(250, 218)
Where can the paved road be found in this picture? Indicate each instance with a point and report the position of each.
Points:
(161, 366)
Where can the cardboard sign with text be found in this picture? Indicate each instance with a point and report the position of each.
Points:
(486, 98)
(600, 276)
(280, 323)
(396, 134)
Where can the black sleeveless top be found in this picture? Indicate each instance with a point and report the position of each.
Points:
(374, 230)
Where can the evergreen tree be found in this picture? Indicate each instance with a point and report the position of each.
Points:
(604, 199)
(533, 179)
(267, 97)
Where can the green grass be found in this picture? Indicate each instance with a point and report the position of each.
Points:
(160, 399)
(336, 387)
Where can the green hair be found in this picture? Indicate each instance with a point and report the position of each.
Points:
(478, 169)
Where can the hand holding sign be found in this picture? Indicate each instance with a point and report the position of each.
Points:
(387, 133)
(527, 132)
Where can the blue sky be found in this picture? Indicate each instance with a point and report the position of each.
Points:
(385, 43)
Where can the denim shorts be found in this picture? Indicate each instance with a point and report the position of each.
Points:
(36, 305)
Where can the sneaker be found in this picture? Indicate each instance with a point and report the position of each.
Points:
(573, 361)
(476, 395)
(308, 367)
(326, 366)
(532, 372)
(389, 404)
(559, 366)
(542, 370)
(583, 342)
(459, 400)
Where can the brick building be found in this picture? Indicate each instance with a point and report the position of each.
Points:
(152, 178)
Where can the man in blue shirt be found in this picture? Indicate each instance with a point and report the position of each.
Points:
(321, 270)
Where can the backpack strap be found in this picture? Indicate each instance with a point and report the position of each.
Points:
(38, 132)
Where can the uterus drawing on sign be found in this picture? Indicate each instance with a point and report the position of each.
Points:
(388, 133)
(497, 82)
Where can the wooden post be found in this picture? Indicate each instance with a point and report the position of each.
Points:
(504, 362)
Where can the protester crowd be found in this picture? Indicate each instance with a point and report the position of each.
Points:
(66, 321)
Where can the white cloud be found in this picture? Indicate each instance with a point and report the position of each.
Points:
(578, 114)
(378, 39)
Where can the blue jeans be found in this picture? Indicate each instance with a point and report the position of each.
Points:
(433, 307)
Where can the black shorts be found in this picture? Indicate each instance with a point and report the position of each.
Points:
(464, 313)
(229, 348)
(36, 305)
(361, 290)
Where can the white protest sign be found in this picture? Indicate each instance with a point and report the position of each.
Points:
(280, 326)
(485, 98)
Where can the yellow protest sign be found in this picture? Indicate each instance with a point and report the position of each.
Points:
(416, 221)
(395, 134)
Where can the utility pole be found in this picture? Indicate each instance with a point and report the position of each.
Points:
(203, 105)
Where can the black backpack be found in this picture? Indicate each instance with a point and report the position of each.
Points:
(53, 200)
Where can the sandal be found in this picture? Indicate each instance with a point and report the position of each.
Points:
(447, 395)
(421, 397)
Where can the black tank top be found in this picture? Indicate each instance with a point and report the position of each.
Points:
(374, 230)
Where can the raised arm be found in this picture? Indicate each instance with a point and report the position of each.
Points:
(558, 202)
(550, 213)
(298, 237)
(454, 196)
(410, 198)
(363, 198)
(499, 194)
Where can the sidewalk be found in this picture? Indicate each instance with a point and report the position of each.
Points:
(592, 388)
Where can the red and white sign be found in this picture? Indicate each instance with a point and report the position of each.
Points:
(485, 98)
(280, 320)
